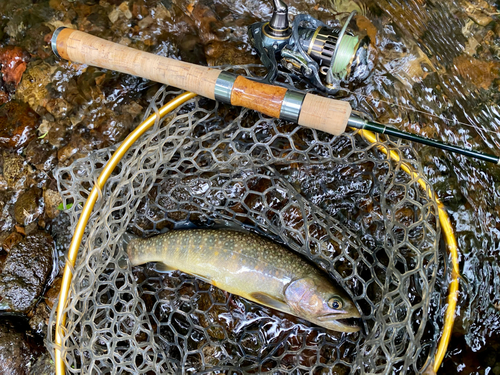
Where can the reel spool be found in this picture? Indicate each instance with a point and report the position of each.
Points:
(307, 47)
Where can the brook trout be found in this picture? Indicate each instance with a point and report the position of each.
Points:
(254, 268)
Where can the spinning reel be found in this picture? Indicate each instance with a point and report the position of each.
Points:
(307, 47)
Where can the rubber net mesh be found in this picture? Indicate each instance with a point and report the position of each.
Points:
(339, 201)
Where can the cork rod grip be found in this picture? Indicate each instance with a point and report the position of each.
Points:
(84, 48)
(325, 114)
(316, 112)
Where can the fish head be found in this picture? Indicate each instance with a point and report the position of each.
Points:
(318, 300)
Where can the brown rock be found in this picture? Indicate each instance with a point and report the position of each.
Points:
(12, 240)
(13, 61)
(18, 123)
(480, 73)
(29, 206)
(364, 23)
(41, 154)
(228, 53)
(33, 87)
(40, 318)
(14, 170)
(58, 107)
(79, 146)
(4, 97)
(53, 293)
(480, 12)
(52, 200)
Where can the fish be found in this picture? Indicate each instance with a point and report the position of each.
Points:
(255, 268)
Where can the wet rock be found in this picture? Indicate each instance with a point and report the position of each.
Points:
(480, 12)
(364, 23)
(229, 53)
(18, 123)
(58, 133)
(9, 7)
(3, 256)
(4, 97)
(97, 22)
(6, 220)
(13, 64)
(79, 146)
(11, 240)
(41, 154)
(60, 229)
(44, 365)
(33, 88)
(15, 353)
(21, 21)
(40, 318)
(15, 170)
(29, 206)
(25, 271)
(58, 107)
(53, 293)
(122, 11)
(52, 200)
(480, 73)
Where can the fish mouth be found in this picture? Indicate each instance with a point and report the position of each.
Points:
(348, 322)
(351, 323)
(342, 315)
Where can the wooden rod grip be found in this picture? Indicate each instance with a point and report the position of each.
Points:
(258, 96)
(317, 112)
(313, 111)
(87, 49)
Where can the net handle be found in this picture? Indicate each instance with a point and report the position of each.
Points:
(85, 215)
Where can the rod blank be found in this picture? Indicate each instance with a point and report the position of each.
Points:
(358, 123)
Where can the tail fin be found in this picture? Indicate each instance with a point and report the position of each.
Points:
(127, 241)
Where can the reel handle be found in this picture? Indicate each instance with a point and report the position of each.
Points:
(309, 110)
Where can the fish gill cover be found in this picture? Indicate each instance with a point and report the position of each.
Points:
(339, 201)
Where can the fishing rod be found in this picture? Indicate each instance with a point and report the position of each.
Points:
(325, 57)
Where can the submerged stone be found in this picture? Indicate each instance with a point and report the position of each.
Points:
(15, 352)
(25, 272)
(14, 170)
(29, 206)
(18, 123)
(44, 365)
(13, 61)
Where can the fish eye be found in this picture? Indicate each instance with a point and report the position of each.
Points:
(335, 303)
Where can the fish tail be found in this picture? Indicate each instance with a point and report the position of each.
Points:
(143, 250)
(130, 244)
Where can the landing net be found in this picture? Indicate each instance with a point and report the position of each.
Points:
(339, 201)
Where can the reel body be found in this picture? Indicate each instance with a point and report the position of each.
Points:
(324, 56)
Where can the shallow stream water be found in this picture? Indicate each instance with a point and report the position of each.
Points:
(436, 73)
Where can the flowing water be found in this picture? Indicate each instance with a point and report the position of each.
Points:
(436, 73)
(437, 76)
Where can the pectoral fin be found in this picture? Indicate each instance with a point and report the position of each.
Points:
(163, 268)
(204, 278)
(270, 301)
